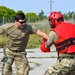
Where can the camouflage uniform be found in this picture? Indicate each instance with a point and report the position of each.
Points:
(15, 47)
(65, 65)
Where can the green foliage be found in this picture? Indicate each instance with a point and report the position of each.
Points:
(41, 15)
(33, 41)
(31, 17)
(4, 11)
(6, 14)
(69, 15)
(19, 11)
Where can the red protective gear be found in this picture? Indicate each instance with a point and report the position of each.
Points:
(43, 40)
(55, 18)
(42, 47)
(66, 33)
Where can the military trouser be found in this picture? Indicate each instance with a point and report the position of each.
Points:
(21, 63)
(63, 66)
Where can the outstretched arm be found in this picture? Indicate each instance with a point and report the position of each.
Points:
(42, 34)
(52, 37)
(4, 27)
(1, 30)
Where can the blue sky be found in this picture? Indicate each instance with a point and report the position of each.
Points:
(37, 5)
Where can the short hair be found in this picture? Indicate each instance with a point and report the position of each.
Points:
(19, 16)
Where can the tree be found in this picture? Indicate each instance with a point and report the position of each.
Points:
(6, 11)
(41, 15)
(31, 17)
(19, 11)
(6, 14)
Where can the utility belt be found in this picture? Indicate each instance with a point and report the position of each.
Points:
(65, 44)
(65, 55)
(17, 50)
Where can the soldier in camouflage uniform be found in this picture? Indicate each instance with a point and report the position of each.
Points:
(62, 35)
(18, 36)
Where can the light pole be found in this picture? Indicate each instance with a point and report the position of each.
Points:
(50, 6)
(3, 18)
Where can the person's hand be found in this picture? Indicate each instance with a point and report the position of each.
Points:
(43, 40)
(42, 46)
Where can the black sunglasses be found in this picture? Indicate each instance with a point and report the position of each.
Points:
(22, 22)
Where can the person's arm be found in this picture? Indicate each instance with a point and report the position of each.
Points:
(45, 46)
(1, 30)
(42, 34)
(52, 37)
(4, 27)
(34, 30)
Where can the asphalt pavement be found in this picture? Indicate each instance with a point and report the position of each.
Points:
(38, 61)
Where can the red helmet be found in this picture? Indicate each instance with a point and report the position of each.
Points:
(55, 18)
